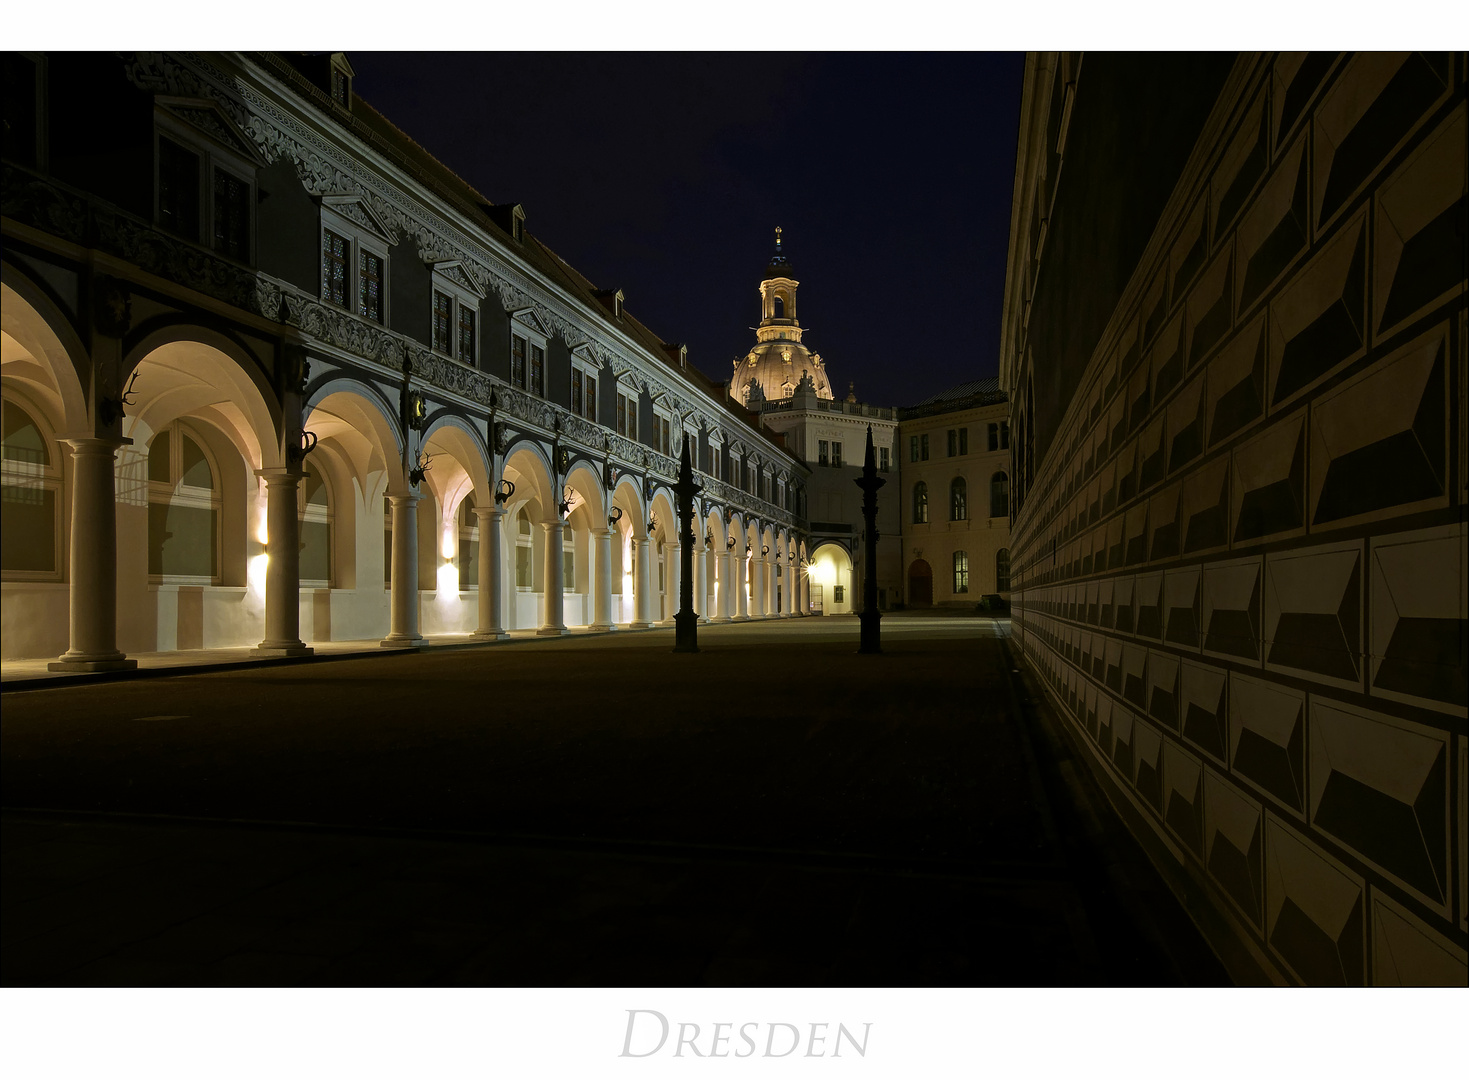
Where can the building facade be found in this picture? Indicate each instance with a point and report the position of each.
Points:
(1240, 471)
(272, 374)
(955, 496)
(786, 386)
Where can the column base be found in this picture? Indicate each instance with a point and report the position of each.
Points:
(403, 642)
(553, 631)
(639, 624)
(603, 628)
(741, 618)
(115, 662)
(663, 624)
(491, 635)
(271, 650)
(722, 618)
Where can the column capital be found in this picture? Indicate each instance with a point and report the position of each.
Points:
(280, 474)
(397, 500)
(600, 534)
(95, 444)
(489, 513)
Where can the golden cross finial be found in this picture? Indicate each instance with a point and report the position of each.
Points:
(777, 236)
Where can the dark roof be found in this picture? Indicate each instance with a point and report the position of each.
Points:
(963, 390)
(372, 127)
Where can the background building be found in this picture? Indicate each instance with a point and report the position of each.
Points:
(955, 495)
(786, 386)
(1235, 344)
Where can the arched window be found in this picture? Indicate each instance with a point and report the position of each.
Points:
(961, 572)
(468, 554)
(780, 308)
(999, 495)
(183, 510)
(523, 567)
(1002, 570)
(920, 503)
(314, 512)
(958, 497)
(30, 488)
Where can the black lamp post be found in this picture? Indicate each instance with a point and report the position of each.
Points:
(871, 617)
(686, 622)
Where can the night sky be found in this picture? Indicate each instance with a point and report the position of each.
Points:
(665, 175)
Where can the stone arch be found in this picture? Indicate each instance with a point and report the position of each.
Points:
(46, 341)
(831, 572)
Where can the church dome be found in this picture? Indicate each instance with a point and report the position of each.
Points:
(773, 369)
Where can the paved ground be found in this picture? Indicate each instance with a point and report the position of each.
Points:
(776, 810)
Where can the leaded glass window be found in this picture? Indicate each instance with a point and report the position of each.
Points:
(591, 398)
(961, 572)
(517, 361)
(370, 286)
(443, 319)
(576, 401)
(537, 371)
(466, 333)
(231, 215)
(334, 253)
(178, 189)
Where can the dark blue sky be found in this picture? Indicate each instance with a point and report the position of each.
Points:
(665, 174)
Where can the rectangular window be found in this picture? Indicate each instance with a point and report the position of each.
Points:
(963, 440)
(665, 434)
(953, 442)
(838, 594)
(334, 251)
(466, 333)
(823, 453)
(522, 566)
(370, 286)
(883, 462)
(339, 86)
(231, 215)
(517, 361)
(1004, 434)
(627, 415)
(178, 189)
(591, 393)
(994, 433)
(836, 455)
(913, 448)
(576, 401)
(568, 570)
(537, 371)
(961, 572)
(923, 447)
(621, 415)
(443, 319)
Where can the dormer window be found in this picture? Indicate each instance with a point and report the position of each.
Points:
(341, 81)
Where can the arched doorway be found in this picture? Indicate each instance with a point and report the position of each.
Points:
(831, 580)
(920, 583)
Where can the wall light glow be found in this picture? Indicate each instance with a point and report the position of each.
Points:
(448, 582)
(255, 572)
(448, 546)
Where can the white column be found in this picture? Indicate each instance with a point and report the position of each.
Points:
(770, 585)
(757, 585)
(642, 599)
(403, 625)
(553, 624)
(804, 577)
(701, 581)
(672, 575)
(723, 597)
(93, 593)
(491, 572)
(742, 597)
(602, 585)
(283, 566)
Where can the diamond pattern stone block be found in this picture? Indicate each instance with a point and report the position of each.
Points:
(1163, 520)
(1269, 482)
(1379, 442)
(1313, 612)
(1186, 424)
(1181, 607)
(1420, 618)
(1202, 700)
(1231, 609)
(1314, 911)
(1318, 321)
(1204, 511)
(1148, 753)
(1296, 78)
(1267, 737)
(1406, 952)
(1162, 688)
(1234, 844)
(1422, 222)
(1148, 602)
(1276, 229)
(1241, 166)
(1381, 787)
(1183, 796)
(1209, 313)
(1237, 383)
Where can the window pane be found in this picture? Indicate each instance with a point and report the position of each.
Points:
(178, 189)
(28, 541)
(159, 466)
(22, 439)
(370, 287)
(537, 371)
(923, 446)
(568, 571)
(316, 550)
(181, 540)
(231, 215)
(591, 413)
(961, 572)
(313, 488)
(522, 566)
(196, 471)
(468, 561)
(963, 440)
(836, 455)
(466, 333)
(443, 307)
(517, 361)
(334, 250)
(576, 403)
